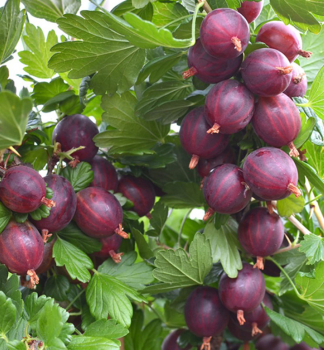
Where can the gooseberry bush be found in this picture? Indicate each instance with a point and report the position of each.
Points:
(176, 199)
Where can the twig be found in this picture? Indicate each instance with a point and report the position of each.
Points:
(287, 249)
(299, 225)
(317, 209)
(206, 6)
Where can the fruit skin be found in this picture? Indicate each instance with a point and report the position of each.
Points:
(104, 174)
(22, 189)
(230, 105)
(170, 341)
(269, 341)
(266, 72)
(195, 140)
(250, 10)
(48, 260)
(224, 191)
(21, 247)
(65, 205)
(276, 121)
(98, 212)
(138, 190)
(260, 233)
(204, 313)
(268, 172)
(74, 131)
(219, 30)
(205, 166)
(245, 292)
(112, 242)
(284, 38)
(210, 69)
(298, 84)
(239, 332)
(302, 346)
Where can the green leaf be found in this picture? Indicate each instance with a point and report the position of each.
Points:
(224, 244)
(13, 118)
(313, 247)
(164, 13)
(16, 345)
(11, 25)
(92, 343)
(74, 235)
(7, 314)
(75, 260)
(106, 295)
(33, 306)
(43, 92)
(37, 58)
(56, 287)
(156, 68)
(131, 274)
(183, 195)
(177, 267)
(290, 205)
(40, 213)
(103, 52)
(144, 249)
(5, 216)
(307, 126)
(299, 12)
(305, 169)
(315, 157)
(173, 318)
(159, 217)
(294, 329)
(51, 10)
(80, 177)
(316, 95)
(312, 289)
(109, 329)
(133, 134)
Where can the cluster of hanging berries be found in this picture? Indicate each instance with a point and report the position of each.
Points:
(25, 247)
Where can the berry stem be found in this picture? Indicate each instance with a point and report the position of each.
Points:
(237, 43)
(240, 317)
(48, 202)
(298, 78)
(306, 54)
(299, 225)
(270, 206)
(116, 256)
(33, 279)
(259, 263)
(294, 189)
(206, 6)
(214, 129)
(189, 73)
(246, 346)
(285, 70)
(293, 150)
(194, 161)
(255, 329)
(120, 232)
(46, 235)
(209, 213)
(206, 343)
(287, 249)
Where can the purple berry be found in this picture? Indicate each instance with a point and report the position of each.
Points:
(239, 332)
(170, 341)
(269, 341)
(104, 174)
(302, 346)
(250, 10)
(298, 84)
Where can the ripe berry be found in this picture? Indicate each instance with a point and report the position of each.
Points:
(284, 38)
(261, 234)
(224, 33)
(74, 131)
(21, 249)
(238, 331)
(269, 341)
(104, 174)
(170, 341)
(250, 10)
(110, 246)
(205, 166)
(298, 84)
(224, 190)
(204, 313)
(243, 293)
(302, 346)
(210, 69)
(229, 107)
(271, 174)
(98, 213)
(266, 72)
(195, 140)
(276, 121)
(139, 191)
(65, 205)
(47, 258)
(23, 190)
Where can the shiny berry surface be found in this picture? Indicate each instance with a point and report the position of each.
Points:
(239, 332)
(104, 174)
(250, 10)
(269, 341)
(112, 242)
(298, 84)
(170, 341)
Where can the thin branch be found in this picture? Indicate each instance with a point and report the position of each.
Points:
(287, 249)
(206, 6)
(299, 225)
(317, 209)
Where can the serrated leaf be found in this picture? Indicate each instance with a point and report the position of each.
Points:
(224, 244)
(11, 25)
(43, 92)
(57, 287)
(166, 12)
(177, 267)
(41, 213)
(92, 343)
(313, 247)
(38, 55)
(33, 307)
(159, 216)
(109, 329)
(290, 205)
(315, 157)
(13, 118)
(144, 250)
(75, 260)
(294, 329)
(307, 126)
(74, 235)
(133, 134)
(131, 274)
(51, 10)
(305, 169)
(5, 216)
(106, 295)
(299, 12)
(8, 313)
(66, 333)
(16, 345)
(11, 290)
(102, 51)
(316, 95)
(79, 177)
